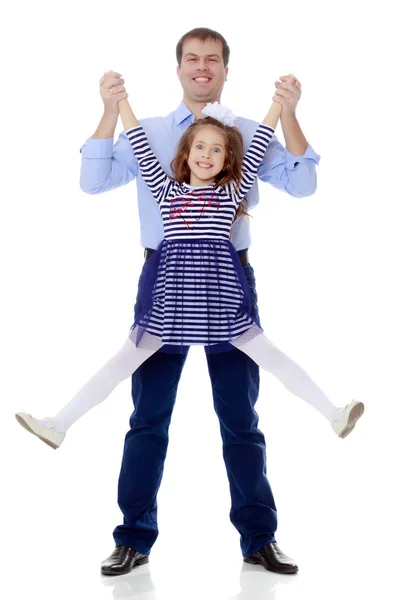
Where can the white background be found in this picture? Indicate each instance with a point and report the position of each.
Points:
(327, 279)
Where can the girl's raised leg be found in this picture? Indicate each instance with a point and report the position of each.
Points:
(296, 380)
(97, 389)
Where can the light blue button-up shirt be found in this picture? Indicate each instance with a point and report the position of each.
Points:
(106, 166)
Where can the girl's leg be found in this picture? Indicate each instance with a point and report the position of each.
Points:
(270, 358)
(52, 429)
(129, 358)
(100, 386)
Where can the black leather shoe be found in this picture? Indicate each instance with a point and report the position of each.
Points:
(273, 559)
(122, 561)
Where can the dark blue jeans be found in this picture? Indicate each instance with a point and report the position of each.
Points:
(235, 384)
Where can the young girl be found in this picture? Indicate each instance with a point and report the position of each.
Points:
(193, 290)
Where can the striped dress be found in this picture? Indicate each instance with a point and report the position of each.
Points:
(193, 290)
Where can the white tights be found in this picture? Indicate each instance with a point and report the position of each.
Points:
(130, 357)
(99, 387)
(289, 373)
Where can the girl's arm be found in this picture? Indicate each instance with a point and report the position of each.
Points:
(256, 151)
(151, 170)
(129, 121)
(272, 117)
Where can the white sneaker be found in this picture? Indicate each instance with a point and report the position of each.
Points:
(50, 436)
(348, 416)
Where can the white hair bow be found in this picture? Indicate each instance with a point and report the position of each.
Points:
(219, 112)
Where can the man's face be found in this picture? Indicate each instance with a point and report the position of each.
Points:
(202, 72)
(207, 155)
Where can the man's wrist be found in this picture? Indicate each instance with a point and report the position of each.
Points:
(111, 115)
(291, 116)
(107, 125)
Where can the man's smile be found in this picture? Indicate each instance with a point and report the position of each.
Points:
(201, 79)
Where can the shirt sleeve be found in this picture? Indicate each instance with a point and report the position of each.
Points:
(152, 172)
(251, 162)
(106, 166)
(295, 175)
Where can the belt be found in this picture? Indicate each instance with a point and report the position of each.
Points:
(243, 255)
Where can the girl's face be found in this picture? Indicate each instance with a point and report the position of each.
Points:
(207, 155)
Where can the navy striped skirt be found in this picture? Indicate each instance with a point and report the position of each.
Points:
(193, 292)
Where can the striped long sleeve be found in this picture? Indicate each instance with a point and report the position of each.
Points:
(152, 172)
(251, 162)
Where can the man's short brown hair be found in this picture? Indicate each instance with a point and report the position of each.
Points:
(203, 34)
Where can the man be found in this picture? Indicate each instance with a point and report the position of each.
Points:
(202, 57)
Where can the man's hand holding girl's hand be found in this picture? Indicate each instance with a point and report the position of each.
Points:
(112, 90)
(287, 93)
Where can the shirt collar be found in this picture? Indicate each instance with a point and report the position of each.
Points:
(182, 113)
